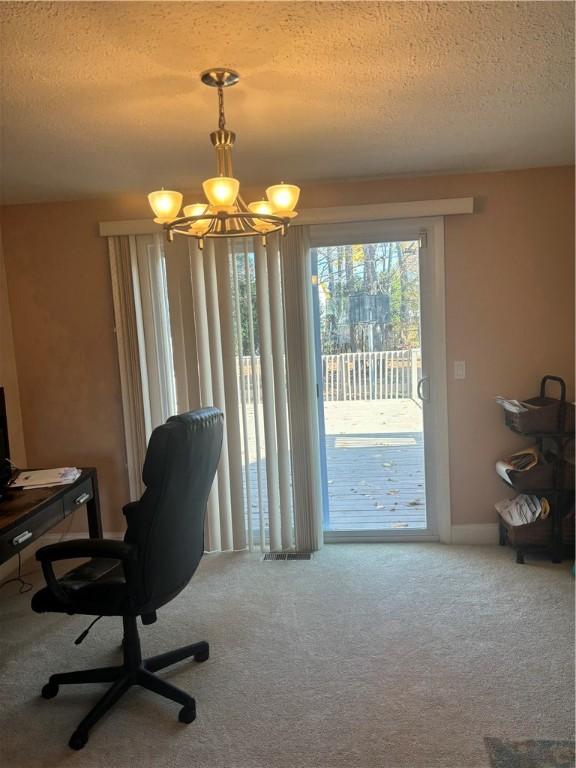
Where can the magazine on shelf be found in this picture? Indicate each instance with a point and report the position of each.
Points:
(515, 406)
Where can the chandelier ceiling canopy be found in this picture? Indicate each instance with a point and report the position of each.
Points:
(225, 214)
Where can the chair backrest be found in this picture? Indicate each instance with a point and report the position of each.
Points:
(167, 524)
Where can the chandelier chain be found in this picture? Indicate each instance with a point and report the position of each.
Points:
(221, 116)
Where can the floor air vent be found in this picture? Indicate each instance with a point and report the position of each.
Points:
(287, 556)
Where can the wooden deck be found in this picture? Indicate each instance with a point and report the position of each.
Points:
(375, 463)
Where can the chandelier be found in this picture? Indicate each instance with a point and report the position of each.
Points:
(225, 214)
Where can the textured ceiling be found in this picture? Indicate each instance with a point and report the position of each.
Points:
(102, 98)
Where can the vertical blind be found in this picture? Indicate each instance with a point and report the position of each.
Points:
(144, 343)
(229, 326)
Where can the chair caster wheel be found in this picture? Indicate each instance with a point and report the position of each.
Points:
(202, 656)
(187, 714)
(78, 740)
(50, 690)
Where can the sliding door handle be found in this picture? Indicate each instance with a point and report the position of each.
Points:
(423, 388)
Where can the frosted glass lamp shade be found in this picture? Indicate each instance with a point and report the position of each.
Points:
(199, 227)
(221, 191)
(195, 209)
(165, 204)
(284, 198)
(265, 207)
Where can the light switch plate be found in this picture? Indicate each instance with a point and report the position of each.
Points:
(459, 369)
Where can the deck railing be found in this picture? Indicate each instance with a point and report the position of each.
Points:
(354, 375)
(371, 375)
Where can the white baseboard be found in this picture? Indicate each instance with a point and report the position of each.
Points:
(485, 533)
(377, 537)
(10, 567)
(475, 533)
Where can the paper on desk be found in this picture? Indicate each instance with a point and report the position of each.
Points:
(45, 478)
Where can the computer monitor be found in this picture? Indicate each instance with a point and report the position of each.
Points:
(5, 466)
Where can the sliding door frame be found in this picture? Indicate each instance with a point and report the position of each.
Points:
(430, 232)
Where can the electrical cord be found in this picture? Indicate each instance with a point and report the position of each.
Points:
(84, 634)
(25, 586)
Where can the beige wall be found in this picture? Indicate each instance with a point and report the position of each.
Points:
(8, 374)
(510, 315)
(62, 316)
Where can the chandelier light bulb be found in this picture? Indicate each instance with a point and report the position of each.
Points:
(221, 192)
(284, 198)
(165, 203)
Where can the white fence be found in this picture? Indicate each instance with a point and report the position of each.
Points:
(354, 375)
(371, 375)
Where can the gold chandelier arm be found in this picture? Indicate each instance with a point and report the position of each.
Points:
(213, 227)
(242, 205)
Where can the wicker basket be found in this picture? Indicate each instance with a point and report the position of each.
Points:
(536, 534)
(539, 533)
(541, 477)
(549, 415)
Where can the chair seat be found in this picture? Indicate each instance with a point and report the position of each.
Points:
(97, 587)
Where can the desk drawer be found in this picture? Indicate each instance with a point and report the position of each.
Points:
(24, 534)
(78, 496)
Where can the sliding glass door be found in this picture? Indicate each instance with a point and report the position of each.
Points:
(372, 333)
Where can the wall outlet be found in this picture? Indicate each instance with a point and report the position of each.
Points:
(459, 369)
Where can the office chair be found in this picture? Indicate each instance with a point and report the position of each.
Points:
(162, 548)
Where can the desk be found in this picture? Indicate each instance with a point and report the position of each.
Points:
(25, 515)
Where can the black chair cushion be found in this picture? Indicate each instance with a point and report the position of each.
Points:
(98, 585)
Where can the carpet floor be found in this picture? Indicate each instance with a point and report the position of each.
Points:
(368, 656)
